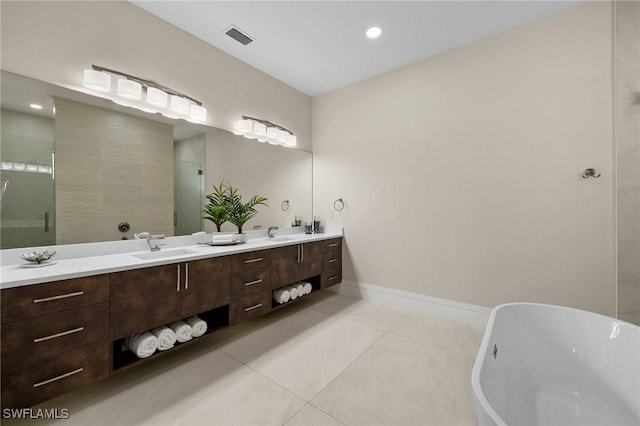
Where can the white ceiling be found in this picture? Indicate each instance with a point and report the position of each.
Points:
(319, 46)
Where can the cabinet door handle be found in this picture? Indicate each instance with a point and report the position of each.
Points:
(257, 259)
(178, 283)
(333, 260)
(302, 251)
(333, 244)
(251, 308)
(253, 282)
(62, 376)
(53, 336)
(333, 278)
(186, 276)
(46, 221)
(298, 247)
(61, 296)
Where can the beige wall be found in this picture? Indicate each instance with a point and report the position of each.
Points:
(627, 97)
(461, 174)
(55, 41)
(110, 168)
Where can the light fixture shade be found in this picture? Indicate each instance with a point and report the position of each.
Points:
(96, 80)
(129, 89)
(282, 138)
(272, 134)
(197, 113)
(157, 97)
(260, 131)
(243, 127)
(179, 105)
(292, 140)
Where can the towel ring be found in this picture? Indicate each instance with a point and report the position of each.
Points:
(338, 205)
(590, 173)
(285, 205)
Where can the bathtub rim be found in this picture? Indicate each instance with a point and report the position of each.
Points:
(478, 395)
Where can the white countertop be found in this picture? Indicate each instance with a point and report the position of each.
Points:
(66, 265)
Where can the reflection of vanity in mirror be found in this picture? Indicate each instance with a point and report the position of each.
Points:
(82, 174)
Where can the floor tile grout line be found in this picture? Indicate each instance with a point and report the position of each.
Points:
(349, 365)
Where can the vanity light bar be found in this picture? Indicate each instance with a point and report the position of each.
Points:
(26, 167)
(142, 94)
(265, 131)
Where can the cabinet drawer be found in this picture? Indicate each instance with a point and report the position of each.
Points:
(332, 257)
(249, 261)
(42, 337)
(250, 306)
(41, 299)
(25, 386)
(250, 282)
(332, 244)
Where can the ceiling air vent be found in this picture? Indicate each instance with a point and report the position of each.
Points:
(237, 35)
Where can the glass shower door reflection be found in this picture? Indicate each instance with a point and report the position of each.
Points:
(188, 197)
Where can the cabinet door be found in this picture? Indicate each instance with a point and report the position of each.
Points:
(207, 285)
(143, 298)
(310, 260)
(284, 266)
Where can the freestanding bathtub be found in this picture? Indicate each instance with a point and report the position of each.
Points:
(551, 365)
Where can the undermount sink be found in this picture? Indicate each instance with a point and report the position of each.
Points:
(163, 253)
(284, 238)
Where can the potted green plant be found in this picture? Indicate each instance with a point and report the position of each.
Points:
(239, 212)
(217, 210)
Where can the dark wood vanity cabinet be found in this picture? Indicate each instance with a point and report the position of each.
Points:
(55, 338)
(206, 285)
(331, 262)
(62, 335)
(146, 298)
(291, 264)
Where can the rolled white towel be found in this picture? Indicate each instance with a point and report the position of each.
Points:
(300, 289)
(142, 344)
(166, 337)
(198, 326)
(307, 287)
(224, 237)
(281, 295)
(182, 330)
(293, 291)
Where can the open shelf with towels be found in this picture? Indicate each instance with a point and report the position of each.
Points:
(122, 358)
(314, 282)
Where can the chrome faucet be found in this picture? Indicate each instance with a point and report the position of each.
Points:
(270, 232)
(147, 236)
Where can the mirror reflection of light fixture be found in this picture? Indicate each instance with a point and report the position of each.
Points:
(264, 131)
(145, 95)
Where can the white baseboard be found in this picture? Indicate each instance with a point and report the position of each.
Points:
(473, 315)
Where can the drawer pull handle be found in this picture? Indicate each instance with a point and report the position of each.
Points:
(333, 260)
(253, 282)
(251, 308)
(61, 296)
(333, 278)
(62, 376)
(257, 259)
(333, 244)
(54, 336)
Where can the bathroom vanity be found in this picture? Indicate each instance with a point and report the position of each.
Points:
(63, 326)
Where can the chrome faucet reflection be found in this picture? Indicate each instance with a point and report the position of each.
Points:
(147, 236)
(270, 232)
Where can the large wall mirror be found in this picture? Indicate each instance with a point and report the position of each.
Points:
(97, 171)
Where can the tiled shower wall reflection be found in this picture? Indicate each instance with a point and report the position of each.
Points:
(627, 98)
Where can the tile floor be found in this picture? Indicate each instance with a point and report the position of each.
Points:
(327, 360)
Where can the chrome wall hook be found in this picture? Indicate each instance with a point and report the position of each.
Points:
(590, 173)
(338, 205)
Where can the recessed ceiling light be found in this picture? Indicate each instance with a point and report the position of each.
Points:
(35, 106)
(374, 32)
